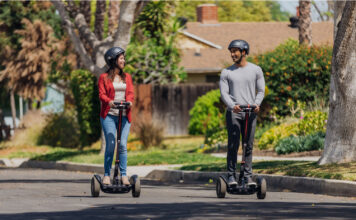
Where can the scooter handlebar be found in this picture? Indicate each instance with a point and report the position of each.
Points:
(247, 108)
(121, 105)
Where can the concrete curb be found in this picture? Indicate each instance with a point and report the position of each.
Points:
(274, 182)
(67, 166)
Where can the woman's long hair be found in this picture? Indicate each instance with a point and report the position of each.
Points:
(111, 73)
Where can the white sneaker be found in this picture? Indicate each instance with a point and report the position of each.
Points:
(106, 180)
(125, 180)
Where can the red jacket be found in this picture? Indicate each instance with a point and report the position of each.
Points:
(107, 94)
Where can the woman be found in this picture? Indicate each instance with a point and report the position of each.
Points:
(115, 86)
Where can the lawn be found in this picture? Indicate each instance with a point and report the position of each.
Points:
(175, 151)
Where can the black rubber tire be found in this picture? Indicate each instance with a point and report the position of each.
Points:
(220, 188)
(95, 187)
(261, 188)
(136, 188)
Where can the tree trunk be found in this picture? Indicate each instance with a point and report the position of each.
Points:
(94, 61)
(114, 10)
(340, 141)
(85, 9)
(13, 108)
(99, 19)
(305, 29)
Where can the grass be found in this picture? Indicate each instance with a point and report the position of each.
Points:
(346, 171)
(176, 151)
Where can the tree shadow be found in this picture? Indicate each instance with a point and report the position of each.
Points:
(203, 210)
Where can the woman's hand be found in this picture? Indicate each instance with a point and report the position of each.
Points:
(130, 105)
(111, 104)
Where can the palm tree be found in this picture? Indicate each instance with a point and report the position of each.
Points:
(305, 29)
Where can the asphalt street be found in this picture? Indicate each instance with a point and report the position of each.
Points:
(52, 194)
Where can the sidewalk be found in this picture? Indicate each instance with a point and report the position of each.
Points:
(259, 158)
(141, 171)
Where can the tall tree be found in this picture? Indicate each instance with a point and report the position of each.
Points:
(85, 9)
(114, 10)
(27, 70)
(305, 29)
(94, 61)
(340, 141)
(99, 19)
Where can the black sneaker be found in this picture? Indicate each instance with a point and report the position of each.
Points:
(249, 181)
(231, 181)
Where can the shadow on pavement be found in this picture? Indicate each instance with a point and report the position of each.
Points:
(200, 210)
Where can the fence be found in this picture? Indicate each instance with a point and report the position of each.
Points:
(168, 104)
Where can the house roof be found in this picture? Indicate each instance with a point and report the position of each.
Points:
(262, 37)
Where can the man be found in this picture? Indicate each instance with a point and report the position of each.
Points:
(241, 84)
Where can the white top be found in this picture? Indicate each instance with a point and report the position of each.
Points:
(120, 88)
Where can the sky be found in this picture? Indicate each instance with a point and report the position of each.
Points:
(290, 6)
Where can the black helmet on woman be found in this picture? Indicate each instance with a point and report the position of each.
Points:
(112, 54)
(241, 44)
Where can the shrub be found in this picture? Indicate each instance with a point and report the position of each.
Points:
(289, 70)
(271, 137)
(150, 133)
(310, 142)
(86, 96)
(215, 137)
(207, 113)
(61, 130)
(312, 122)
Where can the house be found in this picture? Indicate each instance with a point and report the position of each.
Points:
(204, 43)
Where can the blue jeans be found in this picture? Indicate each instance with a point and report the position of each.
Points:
(109, 125)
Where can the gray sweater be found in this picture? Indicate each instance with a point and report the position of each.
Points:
(242, 85)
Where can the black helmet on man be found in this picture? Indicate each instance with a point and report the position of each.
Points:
(112, 54)
(241, 44)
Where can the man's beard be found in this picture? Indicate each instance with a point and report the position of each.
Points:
(239, 60)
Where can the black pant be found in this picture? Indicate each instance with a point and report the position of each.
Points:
(236, 125)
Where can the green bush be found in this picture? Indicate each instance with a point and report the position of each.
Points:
(271, 137)
(295, 72)
(312, 122)
(61, 130)
(214, 137)
(85, 91)
(310, 142)
(153, 55)
(206, 114)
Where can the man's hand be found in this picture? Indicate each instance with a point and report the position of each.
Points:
(236, 109)
(257, 109)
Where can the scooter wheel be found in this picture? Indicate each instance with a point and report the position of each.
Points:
(136, 188)
(95, 187)
(261, 188)
(220, 188)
